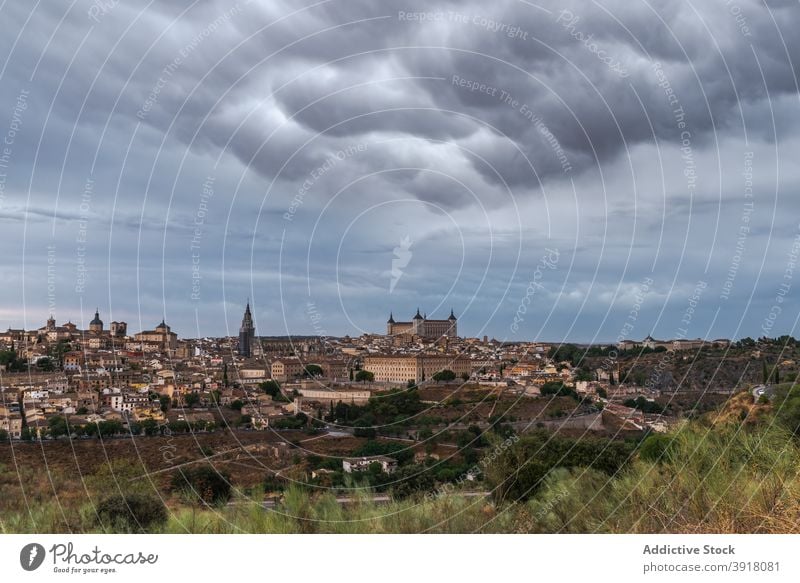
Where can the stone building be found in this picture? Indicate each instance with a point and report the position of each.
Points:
(401, 368)
(247, 334)
(422, 326)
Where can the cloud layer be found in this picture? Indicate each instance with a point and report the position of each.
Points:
(191, 155)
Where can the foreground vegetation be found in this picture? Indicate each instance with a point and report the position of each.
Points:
(734, 471)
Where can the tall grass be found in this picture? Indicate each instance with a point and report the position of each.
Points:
(727, 479)
(720, 480)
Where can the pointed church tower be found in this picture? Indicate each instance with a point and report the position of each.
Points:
(247, 333)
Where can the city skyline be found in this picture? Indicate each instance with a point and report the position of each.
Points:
(248, 327)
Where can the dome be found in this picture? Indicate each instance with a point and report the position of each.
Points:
(97, 321)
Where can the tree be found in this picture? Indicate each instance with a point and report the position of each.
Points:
(57, 426)
(644, 405)
(412, 480)
(108, 428)
(46, 364)
(132, 512)
(61, 348)
(150, 427)
(237, 405)
(557, 389)
(465, 376)
(764, 373)
(165, 402)
(520, 469)
(192, 399)
(10, 360)
(3, 435)
(368, 432)
(313, 370)
(365, 376)
(203, 484)
(273, 389)
(444, 375)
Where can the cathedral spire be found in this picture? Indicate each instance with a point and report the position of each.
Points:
(247, 333)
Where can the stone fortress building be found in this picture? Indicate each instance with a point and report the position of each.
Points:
(423, 327)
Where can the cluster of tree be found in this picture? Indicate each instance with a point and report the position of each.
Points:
(518, 471)
(472, 437)
(444, 375)
(58, 351)
(395, 406)
(567, 353)
(645, 405)
(559, 389)
(312, 370)
(402, 453)
(12, 362)
(770, 374)
(575, 355)
(787, 407)
(784, 340)
(59, 426)
(151, 427)
(298, 421)
(412, 480)
(273, 389)
(45, 364)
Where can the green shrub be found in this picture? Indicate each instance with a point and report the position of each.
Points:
(203, 484)
(518, 471)
(132, 512)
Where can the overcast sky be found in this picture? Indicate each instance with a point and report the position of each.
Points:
(586, 171)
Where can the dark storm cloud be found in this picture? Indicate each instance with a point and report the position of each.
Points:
(333, 132)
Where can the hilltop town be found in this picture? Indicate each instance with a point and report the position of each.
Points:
(417, 393)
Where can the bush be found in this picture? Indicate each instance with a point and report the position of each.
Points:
(368, 432)
(412, 480)
(644, 405)
(787, 406)
(558, 389)
(444, 375)
(133, 512)
(402, 453)
(520, 468)
(656, 448)
(203, 484)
